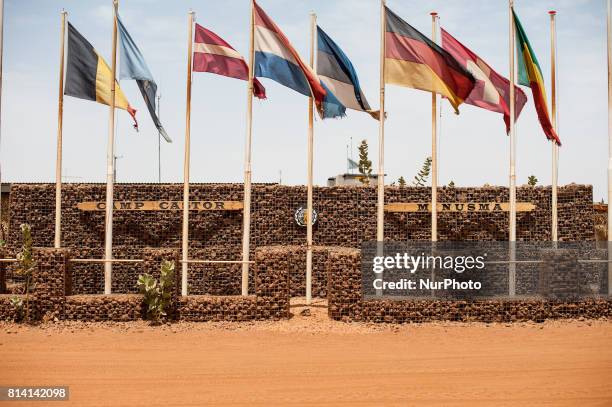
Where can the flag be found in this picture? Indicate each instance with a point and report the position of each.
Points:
(352, 164)
(414, 61)
(530, 74)
(133, 66)
(492, 91)
(276, 59)
(88, 76)
(212, 54)
(337, 72)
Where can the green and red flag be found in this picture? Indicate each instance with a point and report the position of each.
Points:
(530, 74)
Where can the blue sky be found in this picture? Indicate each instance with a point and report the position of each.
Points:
(473, 148)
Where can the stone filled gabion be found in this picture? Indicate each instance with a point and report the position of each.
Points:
(51, 296)
(211, 308)
(116, 307)
(51, 280)
(346, 302)
(216, 278)
(7, 311)
(272, 266)
(344, 284)
(560, 276)
(3, 267)
(347, 217)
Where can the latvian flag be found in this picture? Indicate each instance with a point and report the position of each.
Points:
(492, 91)
(276, 59)
(212, 54)
(414, 61)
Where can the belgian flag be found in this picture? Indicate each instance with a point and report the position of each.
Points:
(88, 76)
(415, 61)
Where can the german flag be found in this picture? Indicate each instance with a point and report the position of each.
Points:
(414, 61)
(88, 76)
(530, 74)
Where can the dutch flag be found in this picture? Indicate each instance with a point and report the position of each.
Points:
(276, 59)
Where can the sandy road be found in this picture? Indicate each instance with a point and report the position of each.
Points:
(309, 360)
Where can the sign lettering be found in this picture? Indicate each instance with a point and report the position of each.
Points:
(459, 207)
(162, 206)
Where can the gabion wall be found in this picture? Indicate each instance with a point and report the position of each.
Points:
(550, 300)
(52, 296)
(554, 297)
(346, 217)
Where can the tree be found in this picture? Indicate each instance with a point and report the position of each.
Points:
(532, 180)
(421, 178)
(401, 181)
(365, 165)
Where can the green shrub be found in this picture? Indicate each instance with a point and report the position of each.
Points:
(17, 304)
(157, 295)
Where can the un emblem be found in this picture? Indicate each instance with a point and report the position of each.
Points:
(300, 216)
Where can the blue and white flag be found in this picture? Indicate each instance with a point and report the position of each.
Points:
(337, 73)
(133, 66)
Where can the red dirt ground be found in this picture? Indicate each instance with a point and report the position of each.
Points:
(309, 360)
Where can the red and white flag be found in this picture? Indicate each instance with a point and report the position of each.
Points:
(212, 54)
(492, 91)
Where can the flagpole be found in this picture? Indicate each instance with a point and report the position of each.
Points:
(348, 167)
(555, 146)
(246, 222)
(512, 192)
(60, 123)
(434, 147)
(351, 151)
(185, 237)
(2, 234)
(313, 25)
(609, 29)
(380, 226)
(159, 137)
(110, 155)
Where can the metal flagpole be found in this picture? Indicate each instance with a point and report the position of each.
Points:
(555, 146)
(609, 26)
(246, 221)
(110, 156)
(185, 237)
(351, 153)
(313, 27)
(512, 192)
(1, 55)
(380, 219)
(434, 146)
(348, 167)
(159, 137)
(60, 122)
